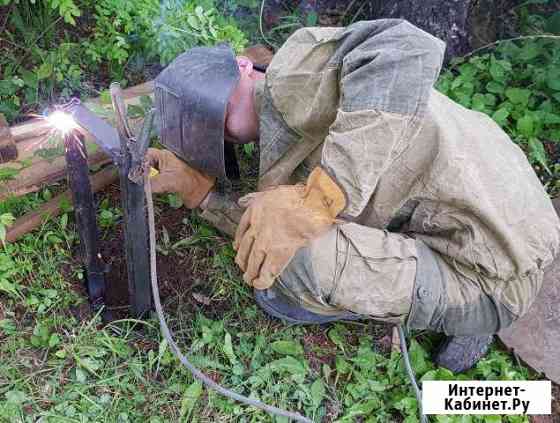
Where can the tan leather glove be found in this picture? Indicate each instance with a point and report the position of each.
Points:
(280, 221)
(178, 177)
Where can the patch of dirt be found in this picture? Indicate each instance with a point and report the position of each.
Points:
(182, 272)
(113, 252)
(319, 350)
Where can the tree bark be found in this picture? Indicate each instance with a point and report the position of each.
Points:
(464, 25)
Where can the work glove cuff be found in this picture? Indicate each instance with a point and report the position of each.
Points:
(323, 194)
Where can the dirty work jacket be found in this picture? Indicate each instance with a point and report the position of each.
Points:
(360, 102)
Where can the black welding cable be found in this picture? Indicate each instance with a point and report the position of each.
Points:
(410, 372)
(197, 374)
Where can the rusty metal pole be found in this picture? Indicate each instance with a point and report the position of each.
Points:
(133, 200)
(84, 211)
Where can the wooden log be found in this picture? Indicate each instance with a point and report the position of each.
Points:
(8, 150)
(43, 172)
(53, 208)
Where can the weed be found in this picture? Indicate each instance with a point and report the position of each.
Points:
(108, 216)
(6, 219)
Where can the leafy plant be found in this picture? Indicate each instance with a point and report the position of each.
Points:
(183, 25)
(67, 9)
(518, 85)
(108, 216)
(8, 271)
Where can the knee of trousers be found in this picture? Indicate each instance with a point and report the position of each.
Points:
(443, 300)
(354, 268)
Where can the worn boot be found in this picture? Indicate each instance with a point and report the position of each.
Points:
(461, 353)
(277, 305)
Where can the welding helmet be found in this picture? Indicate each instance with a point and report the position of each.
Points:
(191, 97)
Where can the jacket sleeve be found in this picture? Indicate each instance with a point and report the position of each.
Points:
(387, 70)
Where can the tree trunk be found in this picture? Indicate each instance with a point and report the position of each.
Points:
(464, 25)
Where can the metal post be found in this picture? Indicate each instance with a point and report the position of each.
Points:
(84, 210)
(133, 200)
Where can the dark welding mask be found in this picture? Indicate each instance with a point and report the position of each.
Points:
(191, 97)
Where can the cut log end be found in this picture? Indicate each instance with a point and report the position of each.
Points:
(8, 152)
(8, 149)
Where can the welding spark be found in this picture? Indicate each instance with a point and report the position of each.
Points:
(62, 121)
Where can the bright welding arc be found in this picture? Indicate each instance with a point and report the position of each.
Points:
(62, 121)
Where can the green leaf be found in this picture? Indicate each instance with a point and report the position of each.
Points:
(478, 102)
(228, 349)
(526, 126)
(249, 149)
(7, 219)
(16, 397)
(342, 366)
(287, 347)
(317, 392)
(336, 336)
(529, 51)
(54, 340)
(518, 95)
(288, 364)
(492, 419)
(47, 195)
(496, 71)
(134, 111)
(551, 118)
(190, 397)
(44, 71)
(553, 78)
(500, 116)
(537, 152)
(64, 221)
(174, 201)
(552, 24)
(105, 97)
(360, 409)
(81, 376)
(490, 99)
(90, 364)
(418, 358)
(8, 173)
(311, 19)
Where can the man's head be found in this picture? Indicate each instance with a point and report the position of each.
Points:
(242, 123)
(202, 97)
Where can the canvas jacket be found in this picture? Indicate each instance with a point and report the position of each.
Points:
(359, 101)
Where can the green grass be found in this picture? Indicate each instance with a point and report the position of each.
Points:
(57, 367)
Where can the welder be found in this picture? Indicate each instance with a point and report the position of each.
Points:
(379, 197)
